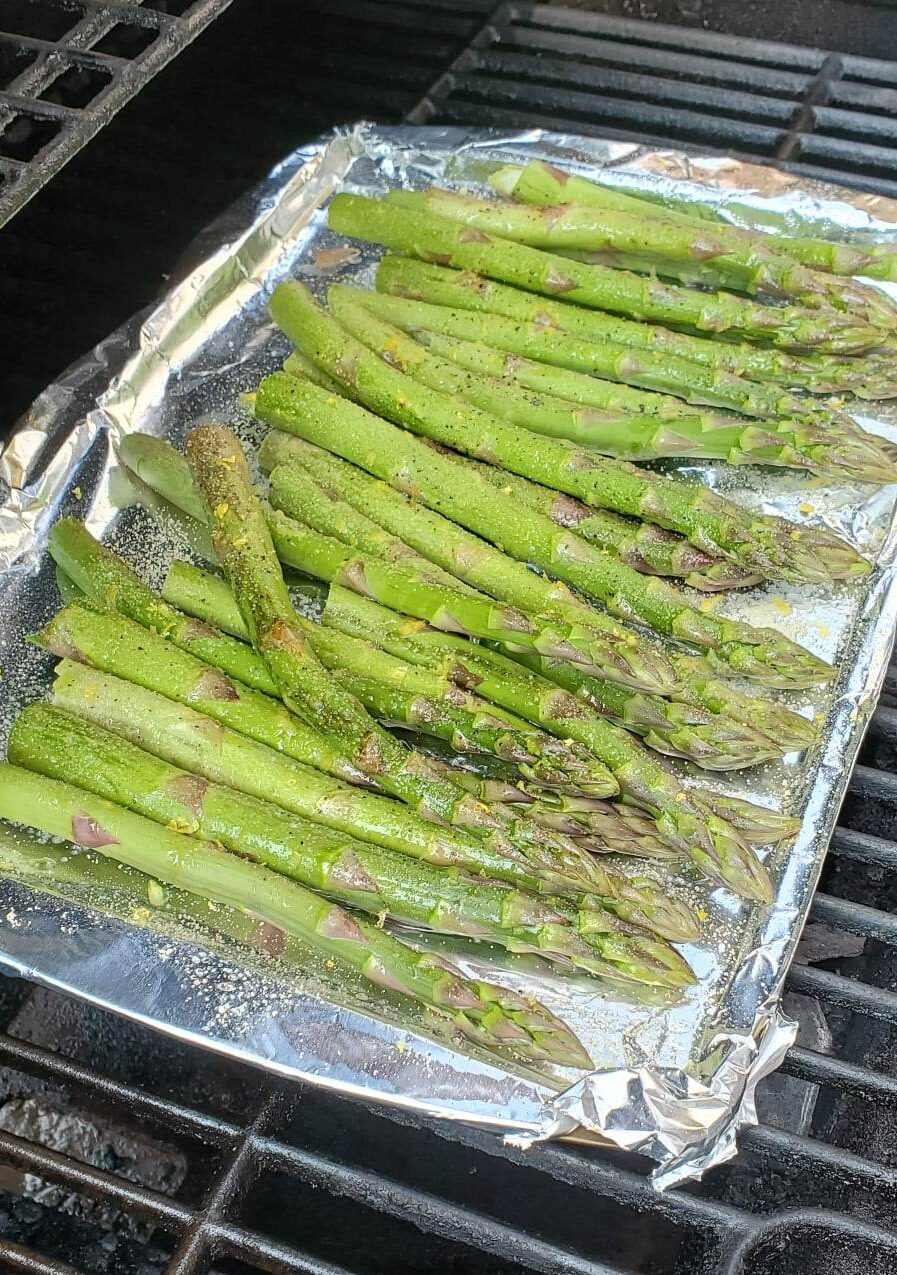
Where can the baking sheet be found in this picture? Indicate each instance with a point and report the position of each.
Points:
(674, 1080)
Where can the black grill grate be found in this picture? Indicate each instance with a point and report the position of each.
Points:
(276, 1179)
(65, 68)
(825, 114)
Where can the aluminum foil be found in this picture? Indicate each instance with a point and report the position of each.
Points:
(672, 1079)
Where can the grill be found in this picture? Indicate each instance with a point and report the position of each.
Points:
(124, 1152)
(64, 69)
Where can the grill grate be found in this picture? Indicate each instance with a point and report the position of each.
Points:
(813, 111)
(65, 69)
(277, 1179)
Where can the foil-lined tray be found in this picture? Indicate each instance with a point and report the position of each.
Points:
(673, 1080)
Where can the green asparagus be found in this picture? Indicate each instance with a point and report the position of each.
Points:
(179, 734)
(789, 443)
(544, 184)
(681, 818)
(647, 549)
(243, 545)
(86, 877)
(711, 740)
(383, 685)
(422, 297)
(412, 695)
(476, 563)
(481, 1011)
(760, 654)
(730, 258)
(64, 747)
(758, 825)
(182, 737)
(566, 631)
(788, 730)
(112, 644)
(102, 575)
(438, 239)
(772, 546)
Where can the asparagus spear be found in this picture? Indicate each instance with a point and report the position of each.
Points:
(479, 1010)
(590, 391)
(179, 734)
(436, 238)
(794, 444)
(462, 305)
(736, 259)
(610, 827)
(544, 184)
(412, 696)
(115, 645)
(711, 740)
(620, 827)
(756, 824)
(616, 826)
(243, 545)
(533, 619)
(612, 822)
(83, 876)
(66, 748)
(102, 575)
(789, 731)
(329, 559)
(459, 292)
(183, 738)
(760, 654)
(409, 698)
(642, 546)
(682, 819)
(772, 546)
(164, 471)
(647, 549)
(415, 696)
(630, 658)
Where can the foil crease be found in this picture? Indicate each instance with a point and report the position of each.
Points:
(674, 1081)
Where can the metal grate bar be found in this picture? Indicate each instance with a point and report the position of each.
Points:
(96, 1183)
(70, 54)
(36, 107)
(873, 785)
(863, 848)
(846, 1077)
(210, 1129)
(855, 918)
(18, 1258)
(438, 1215)
(845, 993)
(806, 1154)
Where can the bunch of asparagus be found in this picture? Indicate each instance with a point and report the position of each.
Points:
(463, 727)
(158, 717)
(539, 697)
